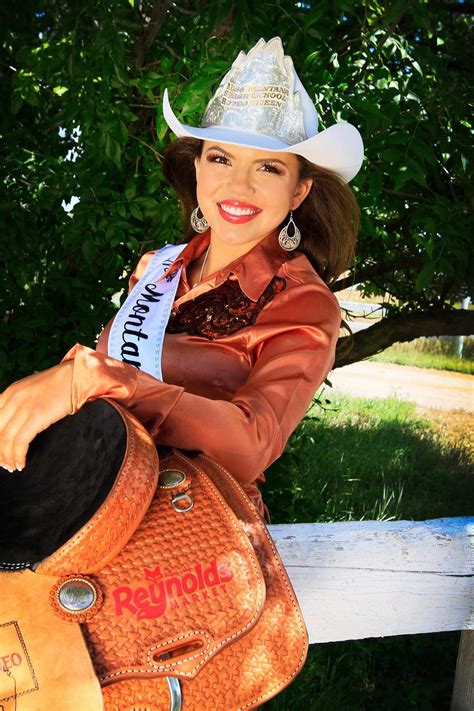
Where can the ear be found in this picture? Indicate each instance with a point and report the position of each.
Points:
(197, 165)
(304, 186)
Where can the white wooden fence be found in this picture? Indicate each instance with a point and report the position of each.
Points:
(380, 578)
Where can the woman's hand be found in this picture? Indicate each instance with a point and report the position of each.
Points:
(30, 406)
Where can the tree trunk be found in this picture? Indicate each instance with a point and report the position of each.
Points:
(404, 327)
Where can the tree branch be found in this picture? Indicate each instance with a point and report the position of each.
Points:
(170, 50)
(406, 195)
(150, 30)
(184, 11)
(404, 327)
(375, 270)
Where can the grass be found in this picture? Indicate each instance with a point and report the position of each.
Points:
(438, 353)
(397, 354)
(371, 459)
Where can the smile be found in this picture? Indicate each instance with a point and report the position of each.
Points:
(237, 212)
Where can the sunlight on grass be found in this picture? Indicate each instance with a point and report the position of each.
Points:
(430, 353)
(367, 459)
(371, 459)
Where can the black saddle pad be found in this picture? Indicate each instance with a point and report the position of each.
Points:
(70, 469)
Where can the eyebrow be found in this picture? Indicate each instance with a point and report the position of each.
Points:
(258, 160)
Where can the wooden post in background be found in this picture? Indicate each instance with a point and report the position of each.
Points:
(463, 692)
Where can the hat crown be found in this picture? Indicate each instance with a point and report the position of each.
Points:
(262, 93)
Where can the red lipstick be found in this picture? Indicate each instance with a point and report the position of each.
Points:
(237, 212)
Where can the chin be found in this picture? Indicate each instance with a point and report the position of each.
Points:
(238, 234)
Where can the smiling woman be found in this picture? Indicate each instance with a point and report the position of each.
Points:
(278, 223)
(326, 211)
(225, 337)
(246, 187)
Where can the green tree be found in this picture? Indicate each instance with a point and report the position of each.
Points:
(85, 81)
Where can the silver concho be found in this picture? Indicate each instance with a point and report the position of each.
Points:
(76, 595)
(169, 478)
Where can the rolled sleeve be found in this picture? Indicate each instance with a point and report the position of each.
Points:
(97, 375)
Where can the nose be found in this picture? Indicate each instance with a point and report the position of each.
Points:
(241, 181)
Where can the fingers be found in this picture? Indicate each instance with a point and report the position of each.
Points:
(19, 423)
(13, 443)
(6, 459)
(28, 407)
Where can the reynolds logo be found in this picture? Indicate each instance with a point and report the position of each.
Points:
(151, 598)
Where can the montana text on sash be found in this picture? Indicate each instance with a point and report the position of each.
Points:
(138, 329)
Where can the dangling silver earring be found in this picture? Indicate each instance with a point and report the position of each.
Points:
(286, 241)
(200, 224)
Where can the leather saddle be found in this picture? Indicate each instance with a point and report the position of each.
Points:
(127, 583)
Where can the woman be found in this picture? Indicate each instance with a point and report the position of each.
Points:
(253, 327)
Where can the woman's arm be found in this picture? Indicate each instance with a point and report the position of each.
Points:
(247, 433)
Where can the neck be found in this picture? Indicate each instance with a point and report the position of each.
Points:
(222, 254)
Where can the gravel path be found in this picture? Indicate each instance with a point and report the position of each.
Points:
(428, 387)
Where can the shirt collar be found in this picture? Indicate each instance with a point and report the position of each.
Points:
(254, 270)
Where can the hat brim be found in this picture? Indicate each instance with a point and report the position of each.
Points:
(339, 148)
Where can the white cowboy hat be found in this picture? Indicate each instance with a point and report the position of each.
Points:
(261, 103)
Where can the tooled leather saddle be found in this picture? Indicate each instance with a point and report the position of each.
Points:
(128, 584)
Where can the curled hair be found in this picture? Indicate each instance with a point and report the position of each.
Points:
(328, 217)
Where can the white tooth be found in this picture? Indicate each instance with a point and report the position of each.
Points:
(238, 210)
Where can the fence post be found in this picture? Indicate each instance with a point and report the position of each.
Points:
(463, 692)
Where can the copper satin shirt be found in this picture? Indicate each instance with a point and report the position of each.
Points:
(237, 397)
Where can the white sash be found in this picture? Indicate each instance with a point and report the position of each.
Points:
(138, 330)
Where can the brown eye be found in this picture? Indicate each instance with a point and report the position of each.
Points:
(217, 158)
(271, 168)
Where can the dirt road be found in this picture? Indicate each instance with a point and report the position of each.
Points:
(445, 398)
(431, 388)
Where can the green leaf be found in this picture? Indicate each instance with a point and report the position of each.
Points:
(415, 171)
(123, 133)
(16, 103)
(394, 11)
(113, 150)
(392, 155)
(149, 204)
(424, 277)
(130, 191)
(89, 251)
(135, 211)
(416, 66)
(121, 75)
(154, 182)
(375, 183)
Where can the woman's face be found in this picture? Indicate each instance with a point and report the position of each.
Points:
(245, 193)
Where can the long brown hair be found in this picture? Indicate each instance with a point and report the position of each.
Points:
(328, 217)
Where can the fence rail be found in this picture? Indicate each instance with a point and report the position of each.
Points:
(380, 578)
